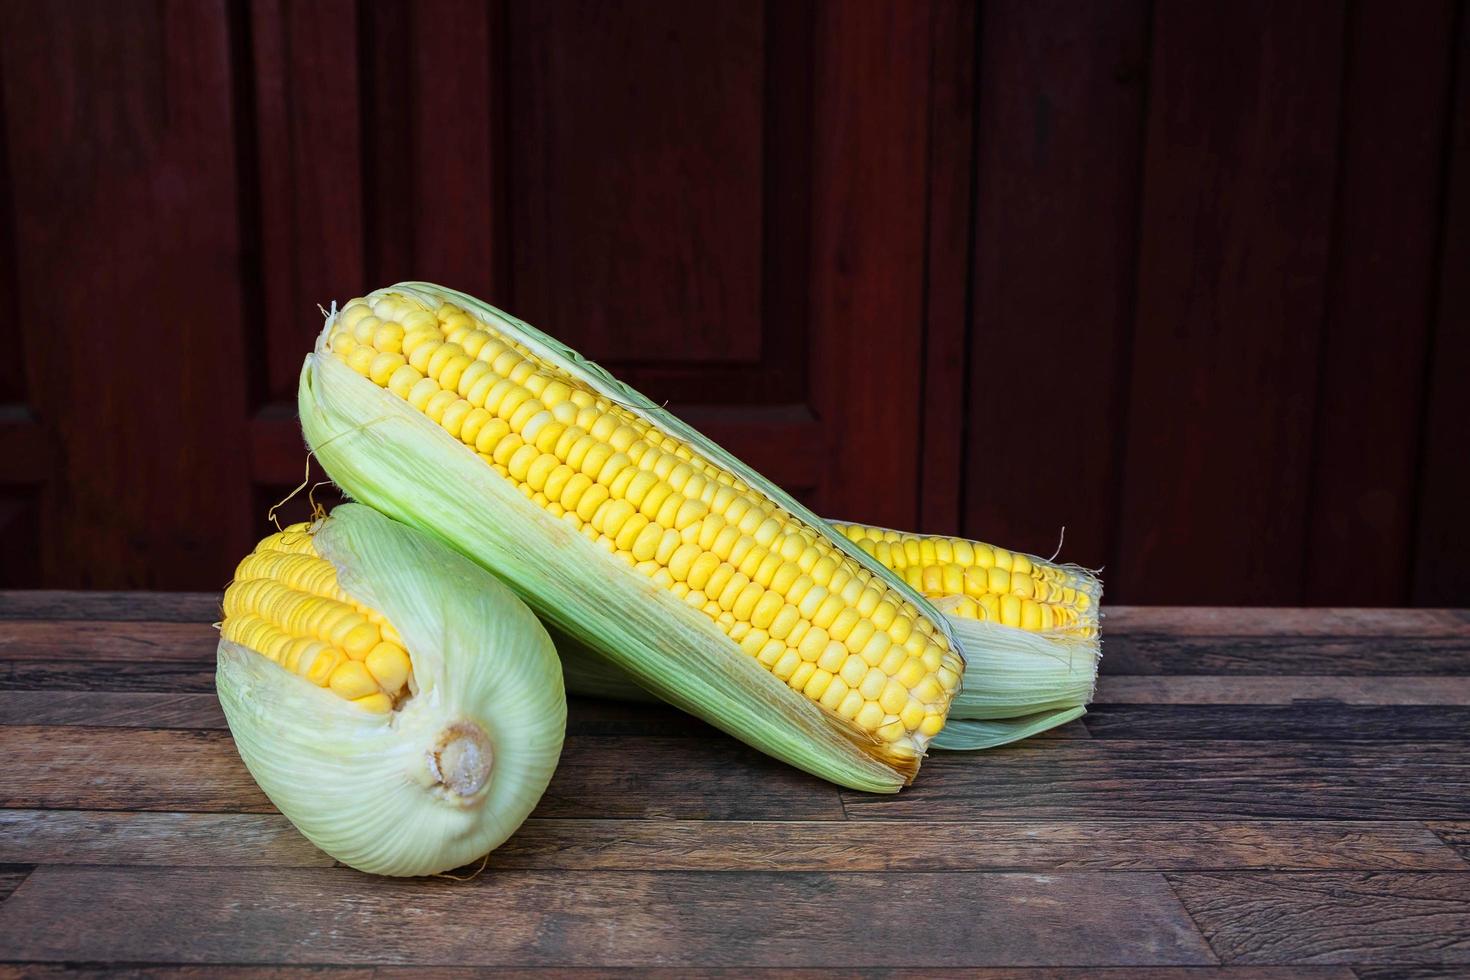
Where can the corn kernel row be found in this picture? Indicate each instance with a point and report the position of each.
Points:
(790, 598)
(285, 603)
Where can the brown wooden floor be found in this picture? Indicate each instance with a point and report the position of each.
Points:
(1282, 793)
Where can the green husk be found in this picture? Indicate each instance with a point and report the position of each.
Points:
(368, 788)
(390, 456)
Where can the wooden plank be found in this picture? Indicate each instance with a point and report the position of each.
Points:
(1283, 690)
(1262, 621)
(1242, 139)
(111, 709)
(1287, 655)
(1365, 450)
(99, 768)
(165, 839)
(309, 157)
(1408, 973)
(1198, 780)
(870, 90)
(268, 840)
(121, 121)
(1121, 620)
(684, 973)
(42, 640)
(668, 268)
(1454, 833)
(249, 972)
(975, 844)
(947, 262)
(461, 235)
(1331, 917)
(1061, 123)
(167, 607)
(600, 919)
(1441, 573)
(1301, 721)
(11, 878)
(116, 676)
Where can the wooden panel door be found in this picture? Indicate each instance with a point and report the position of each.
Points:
(724, 203)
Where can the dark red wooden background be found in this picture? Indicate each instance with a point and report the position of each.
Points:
(1192, 279)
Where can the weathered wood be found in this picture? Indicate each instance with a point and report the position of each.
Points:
(1199, 780)
(111, 709)
(168, 839)
(1168, 653)
(1271, 621)
(168, 607)
(1282, 690)
(96, 675)
(11, 877)
(185, 972)
(1331, 917)
(1455, 833)
(1235, 226)
(1365, 451)
(946, 268)
(971, 845)
(1061, 105)
(601, 919)
(647, 777)
(1408, 973)
(1281, 722)
(41, 640)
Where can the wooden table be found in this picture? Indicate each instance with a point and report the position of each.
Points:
(1283, 792)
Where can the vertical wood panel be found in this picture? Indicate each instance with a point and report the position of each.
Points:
(432, 73)
(121, 139)
(1060, 120)
(455, 58)
(638, 169)
(1442, 565)
(1380, 296)
(868, 234)
(309, 158)
(1236, 218)
(947, 262)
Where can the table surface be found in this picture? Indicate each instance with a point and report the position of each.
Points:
(1259, 793)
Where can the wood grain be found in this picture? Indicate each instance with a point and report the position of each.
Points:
(1287, 655)
(1364, 463)
(111, 709)
(601, 919)
(168, 607)
(1079, 843)
(11, 878)
(1226, 689)
(168, 839)
(123, 179)
(1331, 917)
(1442, 541)
(952, 30)
(41, 640)
(146, 769)
(1300, 721)
(1197, 780)
(1056, 234)
(1455, 833)
(1233, 248)
(729, 973)
(190, 677)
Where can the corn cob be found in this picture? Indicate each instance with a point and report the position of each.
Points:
(1017, 689)
(713, 588)
(286, 604)
(393, 763)
(980, 581)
